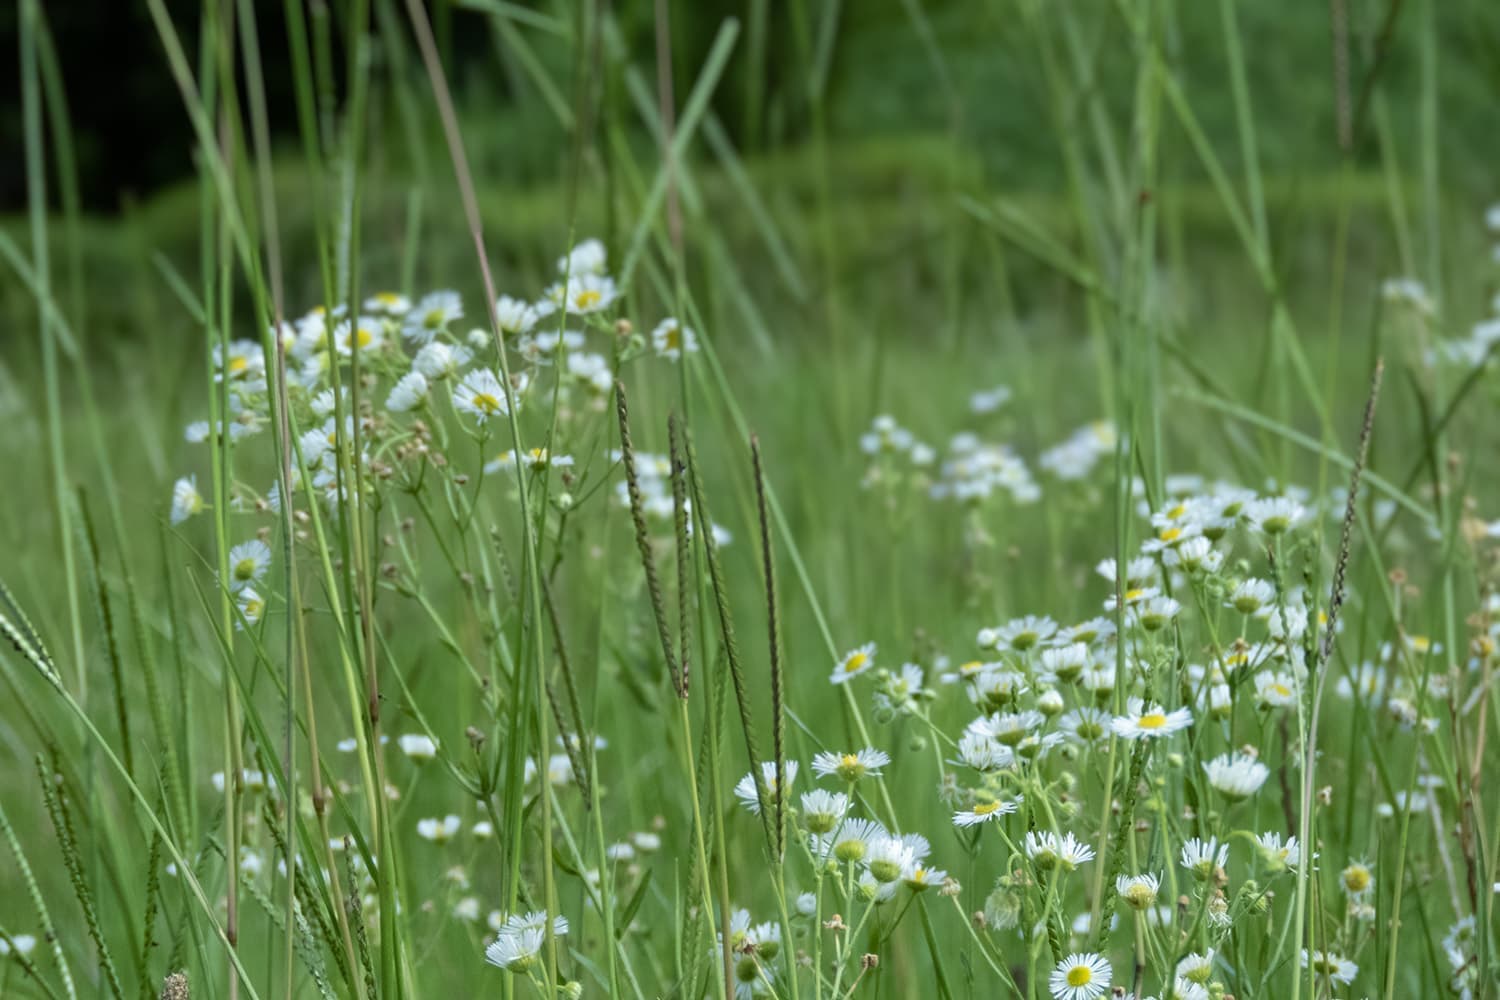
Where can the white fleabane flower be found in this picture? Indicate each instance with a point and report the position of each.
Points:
(536, 920)
(439, 831)
(1141, 721)
(186, 500)
(24, 944)
(408, 393)
(481, 395)
(248, 562)
(854, 663)
(989, 400)
(1204, 857)
(1277, 854)
(389, 303)
(823, 810)
(1330, 967)
(1251, 596)
(1048, 851)
(418, 746)
(516, 952)
(983, 812)
(591, 369)
(850, 842)
(515, 316)
(364, 334)
(672, 339)
(850, 766)
(439, 360)
(581, 294)
(1080, 976)
(1236, 775)
(588, 257)
(431, 316)
(748, 793)
(1197, 967)
(1274, 515)
(887, 858)
(1138, 891)
(983, 753)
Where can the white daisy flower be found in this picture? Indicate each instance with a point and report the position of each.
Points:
(1274, 515)
(746, 791)
(515, 316)
(1204, 857)
(1330, 967)
(408, 393)
(823, 810)
(1278, 854)
(186, 500)
(672, 339)
(439, 831)
(389, 303)
(364, 334)
(481, 395)
(439, 360)
(418, 746)
(850, 842)
(588, 257)
(983, 753)
(1139, 892)
(252, 608)
(983, 812)
(1080, 976)
(1236, 775)
(1048, 851)
(515, 952)
(854, 663)
(851, 766)
(1141, 721)
(581, 294)
(248, 563)
(431, 316)
(888, 857)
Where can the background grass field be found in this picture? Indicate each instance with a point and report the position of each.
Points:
(1139, 213)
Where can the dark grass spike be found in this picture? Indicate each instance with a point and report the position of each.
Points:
(579, 759)
(107, 625)
(773, 638)
(357, 921)
(684, 554)
(67, 843)
(148, 919)
(1341, 566)
(642, 537)
(731, 646)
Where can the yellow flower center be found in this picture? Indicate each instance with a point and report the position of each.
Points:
(985, 808)
(1170, 534)
(855, 662)
(433, 319)
(1177, 512)
(849, 760)
(486, 402)
(244, 569)
(972, 667)
(1134, 594)
(1421, 643)
(1282, 690)
(1357, 879)
(587, 298)
(674, 339)
(238, 364)
(1153, 720)
(387, 298)
(363, 337)
(1080, 975)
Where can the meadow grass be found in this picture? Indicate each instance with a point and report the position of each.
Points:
(778, 473)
